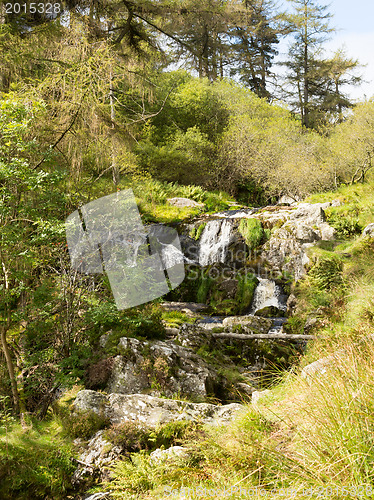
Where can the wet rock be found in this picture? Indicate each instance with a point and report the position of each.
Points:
(189, 308)
(270, 312)
(229, 288)
(291, 303)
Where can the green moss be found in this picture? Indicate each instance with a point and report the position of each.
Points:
(252, 232)
(244, 295)
(196, 231)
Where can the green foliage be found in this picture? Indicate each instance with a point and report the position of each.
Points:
(345, 221)
(326, 274)
(251, 230)
(244, 295)
(205, 282)
(35, 465)
(197, 231)
(129, 436)
(82, 424)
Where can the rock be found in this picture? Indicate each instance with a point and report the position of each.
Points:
(369, 230)
(169, 455)
(258, 395)
(327, 232)
(249, 323)
(229, 287)
(311, 322)
(245, 389)
(150, 411)
(317, 368)
(252, 379)
(310, 213)
(97, 454)
(270, 312)
(286, 249)
(97, 496)
(162, 367)
(288, 200)
(190, 308)
(91, 400)
(337, 203)
(194, 336)
(291, 303)
(184, 202)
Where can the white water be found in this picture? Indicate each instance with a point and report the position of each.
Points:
(214, 242)
(267, 293)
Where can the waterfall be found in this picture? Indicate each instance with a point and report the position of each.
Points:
(268, 293)
(214, 242)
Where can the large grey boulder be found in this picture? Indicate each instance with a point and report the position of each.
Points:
(248, 324)
(161, 367)
(150, 411)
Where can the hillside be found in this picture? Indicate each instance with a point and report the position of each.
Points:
(304, 426)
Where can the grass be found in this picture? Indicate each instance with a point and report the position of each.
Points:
(35, 463)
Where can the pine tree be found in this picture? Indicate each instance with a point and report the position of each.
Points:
(310, 24)
(257, 38)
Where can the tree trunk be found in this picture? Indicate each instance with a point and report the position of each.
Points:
(261, 336)
(9, 363)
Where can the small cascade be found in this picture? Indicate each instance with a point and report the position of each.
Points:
(268, 293)
(214, 242)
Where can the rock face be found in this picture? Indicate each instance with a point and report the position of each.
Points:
(150, 411)
(162, 368)
(286, 249)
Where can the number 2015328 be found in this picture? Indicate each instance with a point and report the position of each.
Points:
(33, 8)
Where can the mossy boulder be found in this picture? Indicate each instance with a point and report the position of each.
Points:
(270, 312)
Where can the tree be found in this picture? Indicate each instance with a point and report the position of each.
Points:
(256, 39)
(331, 77)
(310, 24)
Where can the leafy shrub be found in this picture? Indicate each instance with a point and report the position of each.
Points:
(345, 222)
(97, 374)
(129, 436)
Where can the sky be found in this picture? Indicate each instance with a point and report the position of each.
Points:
(354, 21)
